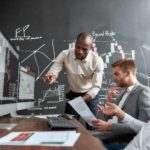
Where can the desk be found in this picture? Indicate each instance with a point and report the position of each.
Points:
(85, 142)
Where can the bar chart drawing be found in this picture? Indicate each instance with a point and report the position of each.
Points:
(57, 92)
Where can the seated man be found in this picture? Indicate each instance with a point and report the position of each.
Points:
(142, 140)
(134, 100)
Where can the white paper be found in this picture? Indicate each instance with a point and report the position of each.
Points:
(55, 138)
(82, 109)
(45, 116)
(48, 137)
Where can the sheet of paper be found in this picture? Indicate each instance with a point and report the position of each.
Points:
(45, 116)
(55, 138)
(82, 109)
(49, 137)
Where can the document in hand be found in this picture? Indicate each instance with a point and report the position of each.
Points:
(55, 138)
(82, 109)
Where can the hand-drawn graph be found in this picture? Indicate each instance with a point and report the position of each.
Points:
(113, 50)
(51, 96)
(106, 45)
(144, 52)
(56, 92)
(34, 52)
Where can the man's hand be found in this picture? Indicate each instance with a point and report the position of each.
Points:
(49, 78)
(112, 110)
(86, 97)
(112, 91)
(101, 125)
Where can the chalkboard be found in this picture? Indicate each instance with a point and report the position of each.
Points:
(41, 29)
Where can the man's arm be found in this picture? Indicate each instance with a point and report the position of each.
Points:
(141, 140)
(52, 74)
(144, 105)
(87, 97)
(113, 110)
(96, 80)
(135, 124)
(143, 108)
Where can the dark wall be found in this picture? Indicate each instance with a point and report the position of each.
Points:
(46, 27)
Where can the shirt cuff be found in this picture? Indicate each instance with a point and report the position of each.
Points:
(93, 92)
(126, 118)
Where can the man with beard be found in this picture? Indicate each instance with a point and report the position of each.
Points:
(84, 71)
(133, 99)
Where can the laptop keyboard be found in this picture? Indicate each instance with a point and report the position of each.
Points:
(59, 122)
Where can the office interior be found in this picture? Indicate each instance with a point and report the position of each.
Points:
(33, 33)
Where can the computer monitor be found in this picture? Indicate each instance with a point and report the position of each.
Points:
(26, 90)
(26, 86)
(9, 62)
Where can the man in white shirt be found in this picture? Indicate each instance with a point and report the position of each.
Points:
(142, 140)
(84, 71)
(134, 100)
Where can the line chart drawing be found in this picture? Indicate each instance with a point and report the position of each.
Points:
(112, 49)
(34, 52)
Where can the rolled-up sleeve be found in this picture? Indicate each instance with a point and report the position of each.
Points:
(97, 78)
(58, 64)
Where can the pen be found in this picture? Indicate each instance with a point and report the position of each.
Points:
(48, 142)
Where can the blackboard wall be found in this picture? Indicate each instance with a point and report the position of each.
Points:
(40, 29)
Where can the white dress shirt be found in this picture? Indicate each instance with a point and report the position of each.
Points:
(133, 123)
(83, 75)
(142, 140)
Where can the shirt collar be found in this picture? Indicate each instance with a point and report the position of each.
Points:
(129, 89)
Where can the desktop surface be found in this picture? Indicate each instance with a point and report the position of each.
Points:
(85, 142)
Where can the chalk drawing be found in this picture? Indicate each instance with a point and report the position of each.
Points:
(33, 53)
(56, 92)
(20, 34)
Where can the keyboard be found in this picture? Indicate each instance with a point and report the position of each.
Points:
(59, 122)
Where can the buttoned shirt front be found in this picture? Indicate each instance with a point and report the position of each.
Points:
(83, 75)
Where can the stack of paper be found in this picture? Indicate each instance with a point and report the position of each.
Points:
(55, 138)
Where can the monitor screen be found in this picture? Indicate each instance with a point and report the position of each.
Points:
(26, 86)
(9, 62)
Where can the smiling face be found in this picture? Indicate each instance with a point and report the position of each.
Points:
(82, 47)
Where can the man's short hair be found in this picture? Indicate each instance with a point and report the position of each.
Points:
(84, 36)
(125, 65)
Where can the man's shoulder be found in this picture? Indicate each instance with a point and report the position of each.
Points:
(67, 51)
(95, 55)
(143, 87)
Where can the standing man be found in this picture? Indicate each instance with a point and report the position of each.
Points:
(134, 99)
(84, 71)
